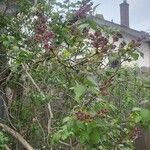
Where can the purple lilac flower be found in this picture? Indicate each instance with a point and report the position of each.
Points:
(84, 9)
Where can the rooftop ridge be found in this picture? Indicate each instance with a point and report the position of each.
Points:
(131, 31)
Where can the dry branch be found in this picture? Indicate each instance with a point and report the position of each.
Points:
(25, 67)
(17, 136)
(6, 147)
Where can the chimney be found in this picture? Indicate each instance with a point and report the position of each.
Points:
(124, 14)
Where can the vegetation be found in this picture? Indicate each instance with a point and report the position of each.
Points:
(66, 87)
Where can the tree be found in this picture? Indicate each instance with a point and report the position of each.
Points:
(61, 86)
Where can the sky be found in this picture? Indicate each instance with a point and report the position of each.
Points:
(139, 12)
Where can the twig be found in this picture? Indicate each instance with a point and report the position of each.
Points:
(6, 147)
(7, 112)
(39, 90)
(17, 136)
(61, 142)
(50, 119)
(32, 80)
(40, 127)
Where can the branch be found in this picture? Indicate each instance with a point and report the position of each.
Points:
(17, 136)
(39, 90)
(6, 147)
(32, 80)
(50, 118)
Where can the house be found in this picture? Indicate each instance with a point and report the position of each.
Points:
(128, 33)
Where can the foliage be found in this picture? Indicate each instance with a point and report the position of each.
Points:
(120, 111)
(3, 140)
(68, 86)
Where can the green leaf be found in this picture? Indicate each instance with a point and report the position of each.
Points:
(92, 24)
(56, 136)
(15, 48)
(92, 81)
(136, 109)
(90, 127)
(66, 119)
(94, 90)
(138, 118)
(79, 90)
(95, 137)
(6, 43)
(66, 135)
(135, 56)
(145, 114)
(80, 125)
(84, 137)
(3, 139)
(66, 54)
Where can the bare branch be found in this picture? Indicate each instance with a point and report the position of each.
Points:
(32, 80)
(17, 136)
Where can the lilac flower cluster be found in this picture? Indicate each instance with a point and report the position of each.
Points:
(98, 40)
(85, 7)
(135, 43)
(83, 116)
(42, 34)
(116, 37)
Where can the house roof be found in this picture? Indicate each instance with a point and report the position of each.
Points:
(137, 34)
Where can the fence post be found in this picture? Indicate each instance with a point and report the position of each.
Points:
(143, 142)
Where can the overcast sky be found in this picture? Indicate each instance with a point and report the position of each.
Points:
(139, 12)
